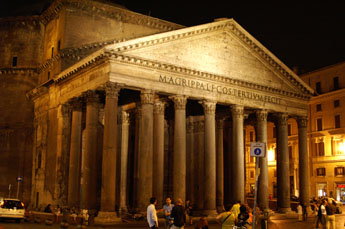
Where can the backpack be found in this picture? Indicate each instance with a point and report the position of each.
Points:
(319, 212)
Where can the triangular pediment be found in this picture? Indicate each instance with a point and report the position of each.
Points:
(221, 48)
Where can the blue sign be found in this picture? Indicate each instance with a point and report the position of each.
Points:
(257, 151)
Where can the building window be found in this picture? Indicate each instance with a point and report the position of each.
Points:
(321, 172)
(289, 129)
(290, 152)
(52, 52)
(339, 171)
(251, 136)
(318, 87)
(318, 107)
(251, 174)
(14, 61)
(336, 83)
(321, 189)
(337, 121)
(336, 103)
(320, 149)
(274, 132)
(338, 146)
(319, 124)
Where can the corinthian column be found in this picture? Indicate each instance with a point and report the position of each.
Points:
(304, 182)
(75, 151)
(210, 157)
(89, 167)
(158, 150)
(179, 157)
(283, 170)
(108, 191)
(261, 135)
(238, 152)
(124, 161)
(145, 154)
(220, 165)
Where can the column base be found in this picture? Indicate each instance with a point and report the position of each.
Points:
(209, 213)
(285, 210)
(106, 218)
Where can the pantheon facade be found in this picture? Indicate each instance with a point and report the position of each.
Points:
(146, 116)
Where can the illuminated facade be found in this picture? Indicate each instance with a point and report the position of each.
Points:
(326, 136)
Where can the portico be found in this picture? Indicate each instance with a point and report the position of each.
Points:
(178, 85)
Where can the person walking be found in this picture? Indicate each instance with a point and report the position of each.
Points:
(227, 218)
(304, 211)
(168, 206)
(323, 213)
(152, 214)
(178, 214)
(299, 212)
(330, 209)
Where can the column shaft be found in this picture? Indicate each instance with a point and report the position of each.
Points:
(304, 182)
(200, 154)
(124, 161)
(158, 151)
(210, 156)
(89, 167)
(220, 165)
(75, 151)
(238, 153)
(283, 170)
(179, 157)
(145, 154)
(261, 135)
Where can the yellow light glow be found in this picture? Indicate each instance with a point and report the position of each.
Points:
(270, 155)
(342, 147)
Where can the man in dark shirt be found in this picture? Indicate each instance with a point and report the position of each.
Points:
(178, 213)
(330, 209)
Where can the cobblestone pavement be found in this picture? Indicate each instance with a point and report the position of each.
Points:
(276, 222)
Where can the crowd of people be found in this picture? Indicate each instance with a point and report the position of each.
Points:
(325, 213)
(176, 215)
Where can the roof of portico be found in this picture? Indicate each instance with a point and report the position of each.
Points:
(183, 52)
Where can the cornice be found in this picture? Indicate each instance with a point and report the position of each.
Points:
(110, 11)
(328, 96)
(15, 71)
(234, 28)
(107, 54)
(20, 21)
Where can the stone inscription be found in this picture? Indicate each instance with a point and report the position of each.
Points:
(218, 88)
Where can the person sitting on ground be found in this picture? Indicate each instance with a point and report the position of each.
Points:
(202, 223)
(48, 209)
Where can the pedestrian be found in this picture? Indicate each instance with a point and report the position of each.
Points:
(318, 215)
(152, 218)
(323, 213)
(168, 206)
(243, 217)
(227, 218)
(178, 214)
(330, 209)
(304, 210)
(48, 209)
(236, 208)
(189, 212)
(202, 223)
(299, 212)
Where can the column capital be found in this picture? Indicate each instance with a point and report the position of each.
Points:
(76, 103)
(147, 96)
(302, 121)
(220, 123)
(159, 107)
(112, 90)
(237, 111)
(91, 96)
(180, 101)
(125, 118)
(261, 115)
(282, 118)
(209, 106)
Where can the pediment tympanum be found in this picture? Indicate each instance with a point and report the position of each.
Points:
(220, 48)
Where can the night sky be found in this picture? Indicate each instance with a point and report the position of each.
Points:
(302, 34)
